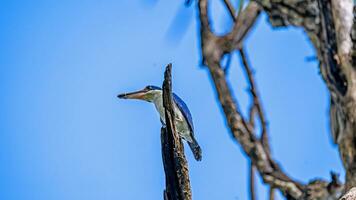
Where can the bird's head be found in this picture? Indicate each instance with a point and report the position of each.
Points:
(149, 93)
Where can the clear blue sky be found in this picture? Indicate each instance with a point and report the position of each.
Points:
(65, 135)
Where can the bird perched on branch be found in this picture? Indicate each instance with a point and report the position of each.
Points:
(183, 119)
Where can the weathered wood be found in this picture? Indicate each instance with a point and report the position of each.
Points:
(350, 195)
(174, 161)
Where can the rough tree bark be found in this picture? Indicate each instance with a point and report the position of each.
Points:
(332, 31)
(350, 195)
(174, 162)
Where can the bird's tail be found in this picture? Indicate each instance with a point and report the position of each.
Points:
(194, 146)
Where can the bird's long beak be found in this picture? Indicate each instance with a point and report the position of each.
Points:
(133, 95)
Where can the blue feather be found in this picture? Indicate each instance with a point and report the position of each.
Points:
(185, 111)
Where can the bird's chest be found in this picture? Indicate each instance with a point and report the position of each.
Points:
(180, 122)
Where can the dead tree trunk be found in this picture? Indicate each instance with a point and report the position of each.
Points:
(174, 162)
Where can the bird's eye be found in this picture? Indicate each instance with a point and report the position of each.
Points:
(149, 88)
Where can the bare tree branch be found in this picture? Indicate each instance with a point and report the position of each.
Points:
(216, 46)
(243, 24)
(231, 9)
(252, 113)
(174, 162)
(251, 145)
(228, 63)
(343, 18)
(331, 27)
(271, 193)
(213, 49)
(252, 182)
(269, 171)
(256, 99)
(204, 19)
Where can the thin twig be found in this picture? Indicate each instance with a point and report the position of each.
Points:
(252, 182)
(214, 47)
(271, 193)
(252, 112)
(256, 99)
(203, 15)
(243, 24)
(241, 5)
(231, 9)
(228, 63)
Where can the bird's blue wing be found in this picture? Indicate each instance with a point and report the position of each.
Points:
(185, 111)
